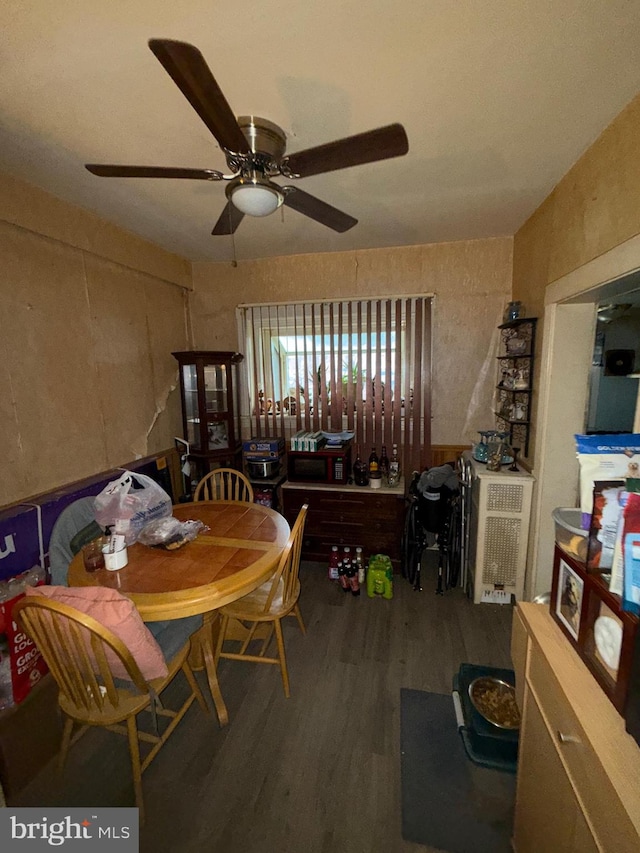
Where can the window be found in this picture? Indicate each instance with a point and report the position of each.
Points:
(360, 365)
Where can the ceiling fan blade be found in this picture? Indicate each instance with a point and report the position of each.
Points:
(229, 220)
(106, 171)
(322, 212)
(187, 67)
(379, 144)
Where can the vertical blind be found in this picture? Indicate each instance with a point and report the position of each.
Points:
(357, 365)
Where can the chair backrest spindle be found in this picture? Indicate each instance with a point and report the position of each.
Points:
(74, 646)
(224, 484)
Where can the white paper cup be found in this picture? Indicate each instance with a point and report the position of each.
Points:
(114, 560)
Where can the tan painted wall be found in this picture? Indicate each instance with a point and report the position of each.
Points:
(589, 222)
(471, 280)
(89, 316)
(594, 208)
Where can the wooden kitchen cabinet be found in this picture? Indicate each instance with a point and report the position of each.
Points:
(578, 787)
(549, 815)
(347, 515)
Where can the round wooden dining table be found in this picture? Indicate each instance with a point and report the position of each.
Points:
(236, 554)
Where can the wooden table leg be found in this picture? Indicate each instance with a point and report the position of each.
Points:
(207, 639)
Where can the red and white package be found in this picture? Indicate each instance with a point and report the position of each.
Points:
(26, 663)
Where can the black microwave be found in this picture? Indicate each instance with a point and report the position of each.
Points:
(327, 465)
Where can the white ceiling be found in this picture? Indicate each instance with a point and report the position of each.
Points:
(498, 97)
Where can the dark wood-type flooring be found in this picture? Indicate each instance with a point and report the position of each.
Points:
(317, 773)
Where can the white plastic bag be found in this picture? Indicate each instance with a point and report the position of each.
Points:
(128, 508)
(170, 533)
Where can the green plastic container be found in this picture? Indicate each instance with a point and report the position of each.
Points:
(380, 576)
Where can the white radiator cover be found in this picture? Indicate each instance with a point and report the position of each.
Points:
(499, 533)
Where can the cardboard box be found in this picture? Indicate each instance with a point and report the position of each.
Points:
(25, 528)
(19, 540)
(314, 441)
(263, 448)
(297, 439)
(27, 663)
(307, 442)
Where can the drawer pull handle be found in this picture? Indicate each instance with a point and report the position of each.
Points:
(563, 738)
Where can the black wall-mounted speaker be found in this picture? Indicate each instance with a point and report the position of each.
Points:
(619, 362)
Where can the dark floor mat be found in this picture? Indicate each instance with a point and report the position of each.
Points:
(448, 802)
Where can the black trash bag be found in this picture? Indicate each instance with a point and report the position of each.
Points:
(436, 488)
(433, 508)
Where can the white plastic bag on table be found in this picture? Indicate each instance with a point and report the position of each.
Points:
(128, 508)
(170, 533)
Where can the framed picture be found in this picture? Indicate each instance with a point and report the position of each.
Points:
(592, 619)
(568, 598)
(607, 641)
(218, 435)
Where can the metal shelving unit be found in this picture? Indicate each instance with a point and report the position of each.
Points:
(515, 381)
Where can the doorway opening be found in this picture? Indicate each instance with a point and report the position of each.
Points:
(613, 379)
(569, 332)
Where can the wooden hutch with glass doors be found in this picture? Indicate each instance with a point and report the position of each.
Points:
(209, 390)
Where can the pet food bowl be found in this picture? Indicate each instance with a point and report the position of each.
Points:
(495, 701)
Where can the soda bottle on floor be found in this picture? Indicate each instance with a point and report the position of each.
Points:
(333, 563)
(360, 566)
(342, 576)
(352, 577)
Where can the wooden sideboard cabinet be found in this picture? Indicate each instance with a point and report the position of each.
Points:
(578, 788)
(347, 515)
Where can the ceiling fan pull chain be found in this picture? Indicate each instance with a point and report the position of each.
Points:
(234, 259)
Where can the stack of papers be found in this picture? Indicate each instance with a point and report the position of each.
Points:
(337, 439)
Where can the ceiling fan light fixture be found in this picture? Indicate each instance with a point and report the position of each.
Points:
(256, 199)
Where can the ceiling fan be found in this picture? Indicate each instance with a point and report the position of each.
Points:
(255, 149)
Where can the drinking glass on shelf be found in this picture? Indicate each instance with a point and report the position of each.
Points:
(495, 453)
(480, 450)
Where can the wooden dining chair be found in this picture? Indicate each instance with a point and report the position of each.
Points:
(224, 484)
(80, 653)
(266, 607)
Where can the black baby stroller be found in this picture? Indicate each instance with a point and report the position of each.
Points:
(433, 517)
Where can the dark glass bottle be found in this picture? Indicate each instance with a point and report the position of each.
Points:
(374, 465)
(360, 471)
(394, 467)
(384, 465)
